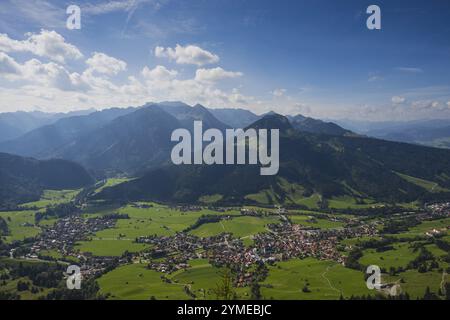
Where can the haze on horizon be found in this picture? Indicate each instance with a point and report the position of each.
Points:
(316, 58)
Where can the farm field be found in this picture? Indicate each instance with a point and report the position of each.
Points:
(136, 282)
(21, 225)
(53, 197)
(157, 220)
(400, 256)
(324, 279)
(424, 227)
(415, 282)
(239, 226)
(111, 182)
(349, 202)
(311, 221)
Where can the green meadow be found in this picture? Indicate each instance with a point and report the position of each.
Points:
(426, 184)
(311, 221)
(136, 282)
(239, 226)
(21, 225)
(346, 202)
(53, 197)
(157, 220)
(415, 283)
(111, 182)
(323, 279)
(400, 256)
(424, 227)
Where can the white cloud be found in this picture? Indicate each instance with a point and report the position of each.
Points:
(215, 74)
(190, 54)
(8, 66)
(398, 100)
(158, 73)
(48, 44)
(50, 75)
(426, 105)
(279, 92)
(301, 108)
(104, 64)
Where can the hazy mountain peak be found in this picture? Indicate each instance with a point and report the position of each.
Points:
(272, 121)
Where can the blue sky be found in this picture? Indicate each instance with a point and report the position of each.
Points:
(313, 57)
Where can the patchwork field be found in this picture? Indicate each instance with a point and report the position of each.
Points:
(145, 221)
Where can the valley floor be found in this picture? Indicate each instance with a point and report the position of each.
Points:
(153, 251)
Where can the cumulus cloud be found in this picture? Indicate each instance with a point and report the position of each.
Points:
(104, 64)
(190, 54)
(8, 66)
(49, 75)
(48, 44)
(158, 73)
(398, 100)
(215, 74)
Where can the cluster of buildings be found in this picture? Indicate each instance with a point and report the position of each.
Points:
(67, 231)
(281, 242)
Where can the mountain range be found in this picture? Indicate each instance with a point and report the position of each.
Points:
(316, 158)
(310, 163)
(131, 140)
(15, 124)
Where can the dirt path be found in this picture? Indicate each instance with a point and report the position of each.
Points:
(444, 275)
(329, 282)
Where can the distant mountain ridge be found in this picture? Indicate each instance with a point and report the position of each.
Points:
(15, 124)
(316, 157)
(309, 164)
(24, 179)
(235, 118)
(435, 133)
(44, 141)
